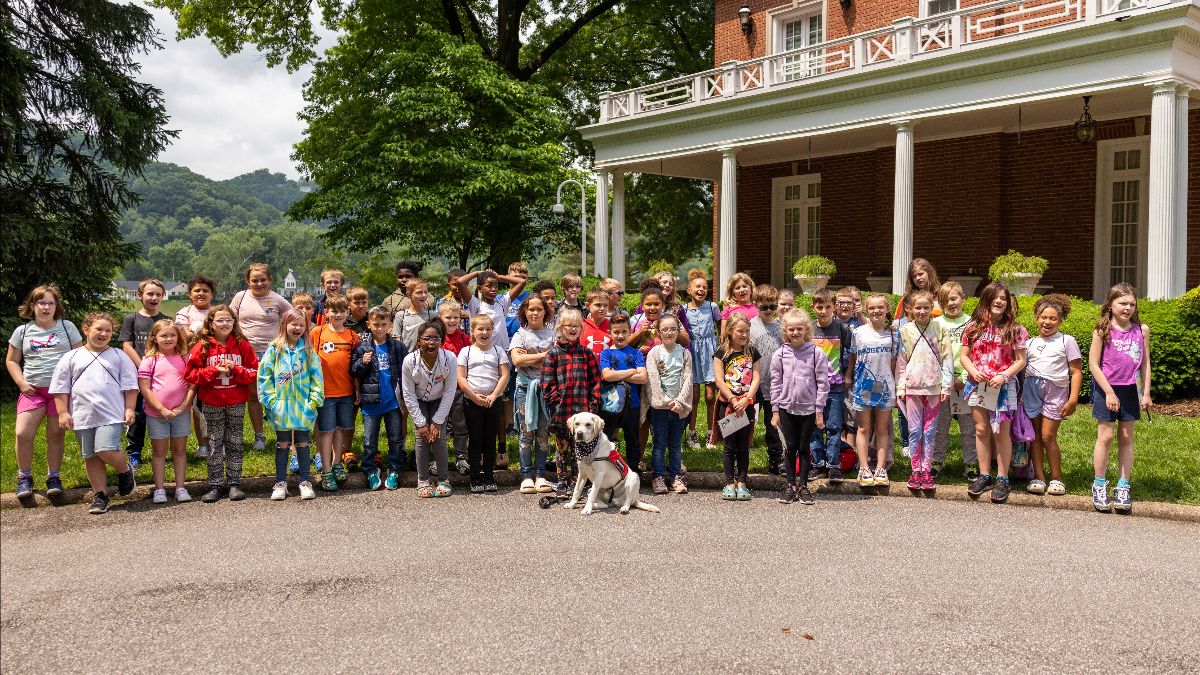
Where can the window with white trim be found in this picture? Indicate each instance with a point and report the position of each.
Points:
(797, 30)
(935, 7)
(1122, 213)
(796, 224)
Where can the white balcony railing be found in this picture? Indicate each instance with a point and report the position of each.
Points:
(906, 39)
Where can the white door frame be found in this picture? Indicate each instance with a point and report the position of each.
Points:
(781, 275)
(1105, 174)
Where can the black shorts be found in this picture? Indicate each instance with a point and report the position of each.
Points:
(1130, 409)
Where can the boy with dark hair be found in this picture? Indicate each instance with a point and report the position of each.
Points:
(376, 365)
(397, 300)
(836, 339)
(622, 374)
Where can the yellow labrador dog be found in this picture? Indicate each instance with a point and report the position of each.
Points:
(612, 479)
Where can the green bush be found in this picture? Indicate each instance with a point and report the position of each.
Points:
(1016, 263)
(1189, 307)
(657, 266)
(814, 266)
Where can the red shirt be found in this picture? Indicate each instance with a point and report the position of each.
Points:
(456, 341)
(213, 388)
(595, 336)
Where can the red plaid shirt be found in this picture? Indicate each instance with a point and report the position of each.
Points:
(570, 382)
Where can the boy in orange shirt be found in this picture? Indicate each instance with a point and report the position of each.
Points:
(335, 419)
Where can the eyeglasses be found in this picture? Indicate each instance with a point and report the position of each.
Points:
(768, 308)
(845, 303)
(46, 303)
(618, 292)
(430, 338)
(222, 321)
(668, 331)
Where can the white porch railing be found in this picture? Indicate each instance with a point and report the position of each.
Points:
(907, 39)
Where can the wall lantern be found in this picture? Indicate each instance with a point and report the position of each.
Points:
(1085, 128)
(845, 4)
(744, 14)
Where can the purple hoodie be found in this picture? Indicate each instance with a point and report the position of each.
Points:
(799, 379)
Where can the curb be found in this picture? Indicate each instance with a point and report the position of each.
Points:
(709, 481)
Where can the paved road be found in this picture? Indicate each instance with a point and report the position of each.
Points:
(384, 582)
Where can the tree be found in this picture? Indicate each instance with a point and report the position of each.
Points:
(172, 262)
(297, 247)
(668, 215)
(74, 123)
(225, 256)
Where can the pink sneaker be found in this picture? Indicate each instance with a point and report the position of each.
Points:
(927, 481)
(914, 480)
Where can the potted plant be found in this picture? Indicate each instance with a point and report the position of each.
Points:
(812, 272)
(1020, 273)
(880, 282)
(969, 281)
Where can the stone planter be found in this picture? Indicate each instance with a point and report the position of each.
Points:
(1021, 283)
(810, 284)
(879, 283)
(970, 284)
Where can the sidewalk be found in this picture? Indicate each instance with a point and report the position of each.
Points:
(764, 486)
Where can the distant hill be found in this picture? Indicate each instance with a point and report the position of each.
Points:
(275, 189)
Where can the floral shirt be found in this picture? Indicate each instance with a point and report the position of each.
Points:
(990, 354)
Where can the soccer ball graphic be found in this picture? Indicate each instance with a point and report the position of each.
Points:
(328, 347)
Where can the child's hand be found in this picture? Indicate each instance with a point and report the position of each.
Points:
(130, 416)
(435, 432)
(368, 356)
(945, 397)
(65, 421)
(1146, 402)
(998, 381)
(224, 367)
(167, 413)
(1069, 409)
(1112, 402)
(820, 419)
(27, 389)
(775, 419)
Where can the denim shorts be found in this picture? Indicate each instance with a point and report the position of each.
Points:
(1042, 397)
(100, 439)
(1129, 410)
(336, 413)
(159, 428)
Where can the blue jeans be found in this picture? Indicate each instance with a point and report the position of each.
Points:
(395, 438)
(533, 443)
(826, 443)
(668, 434)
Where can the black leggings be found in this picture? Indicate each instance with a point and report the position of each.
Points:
(482, 426)
(737, 447)
(797, 432)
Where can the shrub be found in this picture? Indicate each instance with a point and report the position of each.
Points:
(1015, 263)
(814, 266)
(1189, 307)
(657, 266)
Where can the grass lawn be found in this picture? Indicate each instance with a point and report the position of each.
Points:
(1167, 465)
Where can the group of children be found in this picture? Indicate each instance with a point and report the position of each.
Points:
(469, 365)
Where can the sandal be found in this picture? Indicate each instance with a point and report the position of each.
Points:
(1036, 487)
(1057, 488)
(442, 489)
(729, 493)
(424, 489)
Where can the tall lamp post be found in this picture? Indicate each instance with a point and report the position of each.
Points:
(559, 209)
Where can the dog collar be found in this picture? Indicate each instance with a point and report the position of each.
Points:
(586, 449)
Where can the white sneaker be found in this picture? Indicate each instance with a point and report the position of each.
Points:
(260, 442)
(160, 496)
(528, 486)
(543, 485)
(182, 495)
(306, 490)
(881, 477)
(279, 492)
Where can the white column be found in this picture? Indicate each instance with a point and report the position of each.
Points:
(1159, 245)
(618, 226)
(601, 266)
(727, 228)
(902, 217)
(1179, 245)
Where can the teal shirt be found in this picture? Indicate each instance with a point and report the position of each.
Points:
(290, 387)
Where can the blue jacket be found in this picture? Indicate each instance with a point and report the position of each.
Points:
(368, 373)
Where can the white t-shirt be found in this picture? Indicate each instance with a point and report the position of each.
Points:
(483, 367)
(533, 341)
(874, 383)
(498, 310)
(259, 317)
(96, 383)
(1050, 358)
(42, 348)
(191, 317)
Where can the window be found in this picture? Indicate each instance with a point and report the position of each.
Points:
(797, 30)
(1122, 212)
(935, 7)
(796, 224)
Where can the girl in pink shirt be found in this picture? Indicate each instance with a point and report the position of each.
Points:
(168, 398)
(740, 292)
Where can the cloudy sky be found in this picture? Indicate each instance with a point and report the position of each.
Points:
(233, 115)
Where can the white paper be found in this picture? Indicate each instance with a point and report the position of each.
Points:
(989, 396)
(732, 423)
(958, 405)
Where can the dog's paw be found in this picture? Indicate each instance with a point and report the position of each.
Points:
(587, 511)
(569, 505)
(624, 509)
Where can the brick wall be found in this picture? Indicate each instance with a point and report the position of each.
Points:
(975, 198)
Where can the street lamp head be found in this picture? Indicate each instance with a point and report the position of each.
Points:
(558, 209)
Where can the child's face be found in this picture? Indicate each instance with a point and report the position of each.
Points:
(877, 311)
(168, 340)
(1124, 307)
(824, 311)
(451, 318)
(572, 293)
(954, 304)
(797, 330)
(844, 307)
(482, 332)
(698, 289)
(305, 306)
(337, 317)
(570, 330)
(999, 305)
(430, 341)
(787, 302)
(489, 290)
(921, 311)
(767, 310)
(652, 306)
(667, 282)
(668, 331)
(598, 307)
(358, 307)
(222, 325)
(547, 295)
(295, 330)
(402, 278)
(332, 283)
(419, 294)
(920, 279)
(44, 307)
(741, 293)
(201, 296)
(452, 282)
(379, 326)
(151, 296)
(1048, 321)
(535, 313)
(741, 334)
(620, 335)
(259, 282)
(99, 333)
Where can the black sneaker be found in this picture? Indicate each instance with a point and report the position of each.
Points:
(236, 493)
(54, 486)
(126, 483)
(806, 497)
(835, 475)
(1001, 490)
(980, 485)
(99, 503)
(774, 468)
(935, 469)
(790, 495)
(213, 494)
(818, 472)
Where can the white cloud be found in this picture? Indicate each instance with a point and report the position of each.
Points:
(234, 115)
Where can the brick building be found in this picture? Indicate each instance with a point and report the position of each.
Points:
(875, 131)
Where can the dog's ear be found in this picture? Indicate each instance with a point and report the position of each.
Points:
(571, 423)
(599, 423)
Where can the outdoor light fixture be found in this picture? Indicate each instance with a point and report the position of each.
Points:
(1085, 128)
(845, 4)
(558, 209)
(744, 14)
